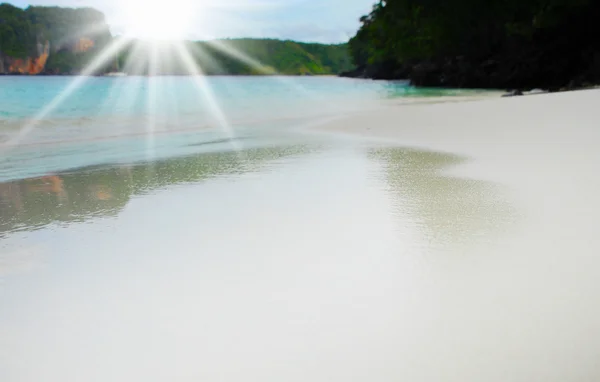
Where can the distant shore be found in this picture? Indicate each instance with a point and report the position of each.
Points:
(515, 92)
(163, 75)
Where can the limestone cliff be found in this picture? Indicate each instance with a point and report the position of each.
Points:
(29, 65)
(83, 44)
(50, 40)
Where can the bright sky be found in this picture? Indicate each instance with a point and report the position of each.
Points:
(305, 20)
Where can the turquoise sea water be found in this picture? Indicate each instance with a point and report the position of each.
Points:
(132, 96)
(22, 97)
(54, 123)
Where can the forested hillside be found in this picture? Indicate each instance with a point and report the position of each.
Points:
(53, 40)
(238, 57)
(286, 57)
(475, 43)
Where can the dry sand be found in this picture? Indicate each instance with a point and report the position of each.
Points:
(550, 136)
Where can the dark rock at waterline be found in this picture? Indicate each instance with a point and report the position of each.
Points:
(385, 71)
(525, 70)
(356, 73)
(513, 93)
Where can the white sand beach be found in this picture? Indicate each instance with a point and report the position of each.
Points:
(446, 241)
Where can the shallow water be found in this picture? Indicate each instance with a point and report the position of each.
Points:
(49, 110)
(176, 96)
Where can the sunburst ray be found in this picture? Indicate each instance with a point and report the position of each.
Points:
(201, 84)
(101, 59)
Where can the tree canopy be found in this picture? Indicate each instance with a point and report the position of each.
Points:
(17, 32)
(501, 42)
(245, 56)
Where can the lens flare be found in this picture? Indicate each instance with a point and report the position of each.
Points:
(100, 60)
(198, 77)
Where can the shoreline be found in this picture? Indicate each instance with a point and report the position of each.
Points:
(535, 144)
(111, 75)
(446, 118)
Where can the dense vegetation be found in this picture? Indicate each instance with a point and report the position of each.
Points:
(61, 26)
(239, 57)
(285, 57)
(477, 43)
(22, 32)
(17, 33)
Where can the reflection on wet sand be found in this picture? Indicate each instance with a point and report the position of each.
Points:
(447, 210)
(275, 271)
(84, 193)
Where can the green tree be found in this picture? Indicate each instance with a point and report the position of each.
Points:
(513, 42)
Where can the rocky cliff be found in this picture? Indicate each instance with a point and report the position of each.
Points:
(28, 65)
(49, 40)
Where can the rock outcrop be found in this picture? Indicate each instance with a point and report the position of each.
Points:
(83, 44)
(29, 65)
(49, 40)
(493, 73)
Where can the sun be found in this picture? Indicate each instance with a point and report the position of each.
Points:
(161, 19)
